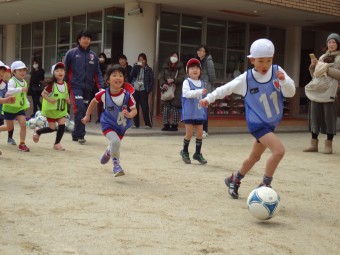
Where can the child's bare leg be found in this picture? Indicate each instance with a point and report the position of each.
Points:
(199, 131)
(255, 156)
(189, 131)
(9, 125)
(22, 123)
(277, 149)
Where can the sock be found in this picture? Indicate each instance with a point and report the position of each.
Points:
(60, 133)
(238, 176)
(267, 180)
(45, 130)
(315, 136)
(198, 146)
(330, 137)
(114, 145)
(186, 145)
(10, 134)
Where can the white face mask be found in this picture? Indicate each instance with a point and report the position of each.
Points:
(173, 60)
(35, 66)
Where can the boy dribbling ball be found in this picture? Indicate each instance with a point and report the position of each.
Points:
(263, 88)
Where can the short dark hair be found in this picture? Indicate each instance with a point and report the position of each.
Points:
(114, 68)
(143, 55)
(205, 47)
(122, 57)
(83, 32)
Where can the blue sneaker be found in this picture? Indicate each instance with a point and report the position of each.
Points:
(117, 169)
(105, 157)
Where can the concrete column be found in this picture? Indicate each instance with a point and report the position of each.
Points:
(292, 64)
(9, 44)
(139, 37)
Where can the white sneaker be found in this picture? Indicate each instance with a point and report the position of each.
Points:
(205, 134)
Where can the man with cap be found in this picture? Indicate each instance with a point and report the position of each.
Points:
(323, 115)
(263, 88)
(83, 74)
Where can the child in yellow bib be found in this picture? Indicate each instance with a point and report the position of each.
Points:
(17, 87)
(54, 106)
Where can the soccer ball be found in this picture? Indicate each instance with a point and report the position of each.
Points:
(70, 126)
(41, 122)
(263, 203)
(32, 123)
(37, 114)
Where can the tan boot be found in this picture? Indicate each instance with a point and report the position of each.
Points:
(313, 146)
(328, 147)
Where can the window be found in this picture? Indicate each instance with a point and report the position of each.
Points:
(25, 53)
(169, 25)
(79, 22)
(50, 44)
(191, 30)
(64, 31)
(113, 33)
(37, 34)
(94, 24)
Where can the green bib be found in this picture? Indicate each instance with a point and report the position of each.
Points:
(21, 102)
(59, 108)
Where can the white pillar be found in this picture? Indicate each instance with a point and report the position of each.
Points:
(140, 37)
(140, 32)
(9, 44)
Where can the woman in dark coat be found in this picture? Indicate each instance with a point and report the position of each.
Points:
(172, 74)
(36, 85)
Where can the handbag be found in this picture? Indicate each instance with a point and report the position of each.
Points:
(168, 94)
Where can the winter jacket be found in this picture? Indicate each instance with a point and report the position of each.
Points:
(148, 76)
(166, 73)
(83, 69)
(208, 72)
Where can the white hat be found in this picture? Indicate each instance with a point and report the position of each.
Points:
(56, 65)
(262, 48)
(17, 65)
(2, 64)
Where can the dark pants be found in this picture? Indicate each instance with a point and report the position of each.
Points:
(36, 100)
(141, 98)
(79, 99)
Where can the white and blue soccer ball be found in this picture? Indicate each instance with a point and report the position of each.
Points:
(263, 203)
(37, 114)
(70, 126)
(41, 121)
(32, 123)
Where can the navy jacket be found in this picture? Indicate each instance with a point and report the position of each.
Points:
(83, 69)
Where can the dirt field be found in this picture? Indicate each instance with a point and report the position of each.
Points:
(67, 203)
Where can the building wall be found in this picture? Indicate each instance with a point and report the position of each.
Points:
(330, 7)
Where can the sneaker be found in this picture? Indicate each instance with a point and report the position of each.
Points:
(134, 127)
(105, 157)
(58, 147)
(75, 139)
(11, 141)
(148, 127)
(205, 134)
(264, 185)
(24, 148)
(232, 186)
(200, 158)
(185, 157)
(35, 135)
(81, 140)
(117, 169)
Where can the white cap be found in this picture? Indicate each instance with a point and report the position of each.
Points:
(262, 48)
(17, 65)
(56, 65)
(2, 64)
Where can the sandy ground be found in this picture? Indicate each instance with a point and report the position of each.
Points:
(67, 203)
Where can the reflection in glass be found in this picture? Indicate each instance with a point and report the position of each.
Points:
(37, 34)
(191, 30)
(49, 58)
(235, 64)
(50, 32)
(94, 24)
(236, 35)
(216, 33)
(169, 27)
(79, 22)
(64, 30)
(256, 32)
(26, 36)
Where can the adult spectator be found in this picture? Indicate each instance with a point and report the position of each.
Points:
(36, 85)
(82, 75)
(322, 112)
(124, 63)
(142, 80)
(208, 74)
(172, 74)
